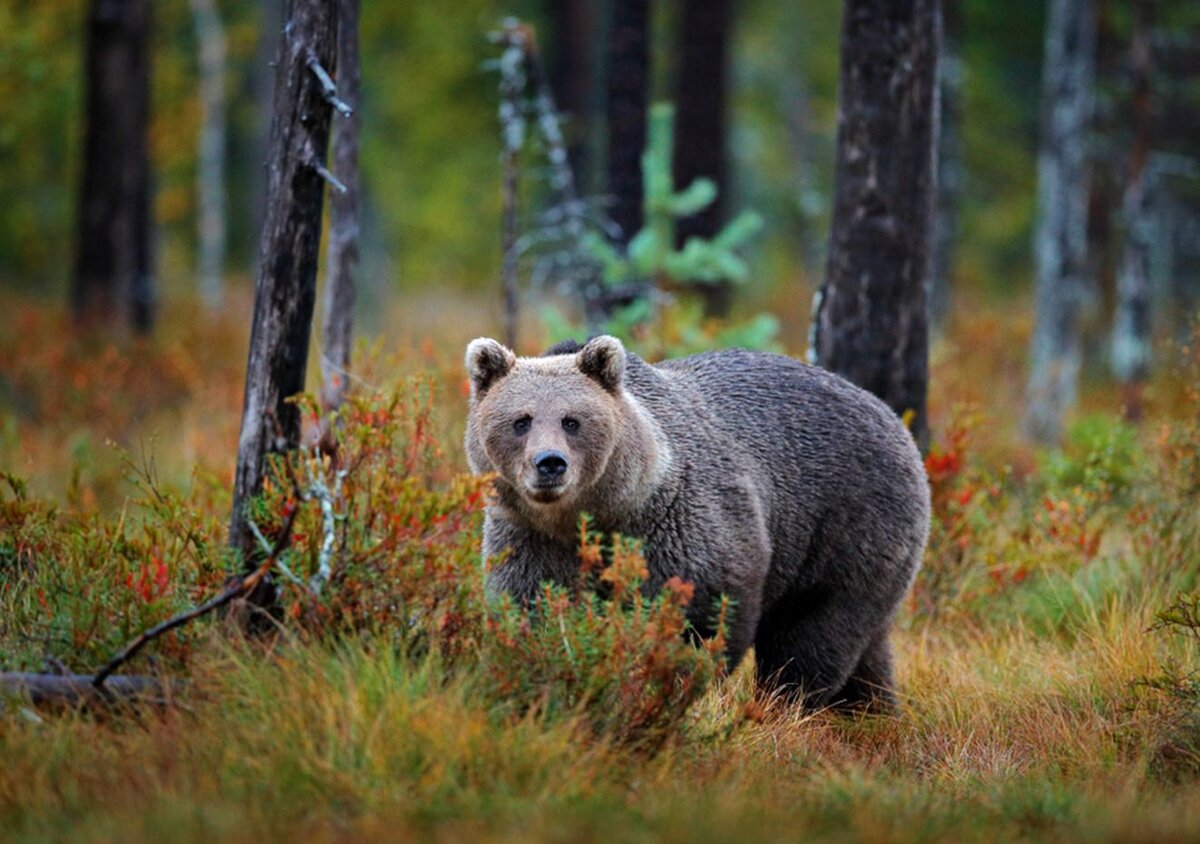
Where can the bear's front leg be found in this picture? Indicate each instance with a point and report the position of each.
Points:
(521, 558)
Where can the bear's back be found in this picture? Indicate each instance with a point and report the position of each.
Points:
(821, 452)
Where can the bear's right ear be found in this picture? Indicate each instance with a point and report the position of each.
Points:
(487, 362)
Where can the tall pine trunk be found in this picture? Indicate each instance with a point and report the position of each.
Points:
(345, 214)
(572, 72)
(113, 258)
(870, 315)
(285, 286)
(701, 104)
(628, 83)
(1060, 248)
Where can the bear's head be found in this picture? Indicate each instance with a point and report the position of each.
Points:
(549, 426)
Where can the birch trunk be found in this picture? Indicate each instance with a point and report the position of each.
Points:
(871, 324)
(1060, 247)
(210, 169)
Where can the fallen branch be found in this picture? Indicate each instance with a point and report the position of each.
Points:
(75, 690)
(237, 587)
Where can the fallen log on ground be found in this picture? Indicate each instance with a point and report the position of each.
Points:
(77, 690)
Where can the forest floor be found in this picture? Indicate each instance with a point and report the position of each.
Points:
(1047, 659)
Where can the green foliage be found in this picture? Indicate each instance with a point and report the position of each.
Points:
(651, 253)
(1100, 454)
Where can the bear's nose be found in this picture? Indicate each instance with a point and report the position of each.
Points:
(550, 464)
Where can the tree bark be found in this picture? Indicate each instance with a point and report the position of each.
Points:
(210, 169)
(1060, 248)
(572, 68)
(871, 324)
(628, 86)
(285, 286)
(345, 215)
(701, 101)
(1131, 337)
(113, 257)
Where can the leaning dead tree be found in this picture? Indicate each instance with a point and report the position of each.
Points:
(285, 287)
(1060, 238)
(869, 322)
(113, 258)
(344, 216)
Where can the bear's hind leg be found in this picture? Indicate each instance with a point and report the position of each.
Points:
(808, 645)
(869, 688)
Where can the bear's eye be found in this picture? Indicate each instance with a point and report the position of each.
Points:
(571, 426)
(521, 426)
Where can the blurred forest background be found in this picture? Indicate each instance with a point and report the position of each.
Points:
(430, 158)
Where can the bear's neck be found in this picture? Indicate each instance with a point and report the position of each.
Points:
(640, 464)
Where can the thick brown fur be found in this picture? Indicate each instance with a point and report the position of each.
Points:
(788, 489)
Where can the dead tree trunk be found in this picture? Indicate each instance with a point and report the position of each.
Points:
(870, 315)
(285, 286)
(700, 125)
(113, 258)
(210, 170)
(1060, 251)
(344, 217)
(628, 84)
(1131, 337)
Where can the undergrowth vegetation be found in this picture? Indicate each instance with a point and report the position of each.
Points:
(1047, 658)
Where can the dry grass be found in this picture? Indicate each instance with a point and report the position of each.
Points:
(1024, 714)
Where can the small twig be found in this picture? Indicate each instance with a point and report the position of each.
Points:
(331, 179)
(236, 588)
(328, 89)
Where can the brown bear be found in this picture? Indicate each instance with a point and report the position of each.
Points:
(781, 485)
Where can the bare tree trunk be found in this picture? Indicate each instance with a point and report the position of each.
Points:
(572, 66)
(628, 86)
(210, 170)
(701, 95)
(285, 287)
(871, 323)
(344, 219)
(1131, 338)
(113, 258)
(1061, 230)
(951, 170)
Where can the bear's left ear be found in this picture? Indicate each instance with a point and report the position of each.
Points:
(487, 362)
(603, 359)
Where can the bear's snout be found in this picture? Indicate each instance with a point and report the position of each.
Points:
(551, 465)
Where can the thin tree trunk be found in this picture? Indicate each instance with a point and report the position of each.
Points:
(1061, 229)
(628, 85)
(113, 258)
(344, 219)
(700, 148)
(210, 170)
(1131, 337)
(951, 170)
(285, 287)
(795, 103)
(871, 320)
